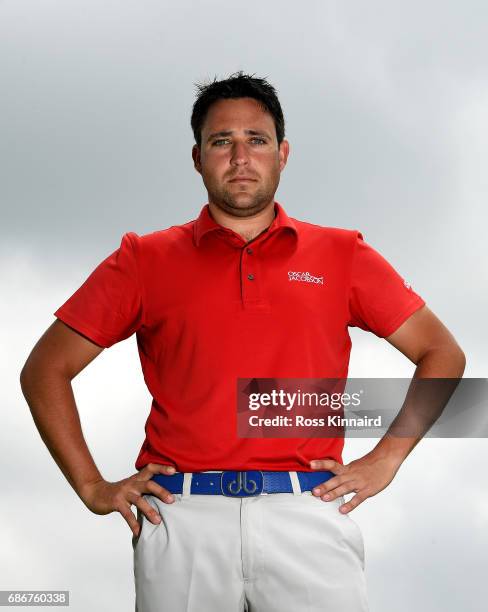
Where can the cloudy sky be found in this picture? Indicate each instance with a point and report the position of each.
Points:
(386, 110)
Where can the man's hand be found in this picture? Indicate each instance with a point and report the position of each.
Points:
(428, 344)
(366, 477)
(102, 497)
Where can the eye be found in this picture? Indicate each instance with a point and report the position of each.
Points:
(217, 143)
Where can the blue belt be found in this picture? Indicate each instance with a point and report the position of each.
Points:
(241, 484)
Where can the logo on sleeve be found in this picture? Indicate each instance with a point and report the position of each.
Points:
(305, 277)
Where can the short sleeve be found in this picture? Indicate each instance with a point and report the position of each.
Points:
(380, 300)
(108, 307)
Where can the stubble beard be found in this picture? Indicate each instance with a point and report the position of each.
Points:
(243, 203)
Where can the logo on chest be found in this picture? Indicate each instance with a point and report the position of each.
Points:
(305, 277)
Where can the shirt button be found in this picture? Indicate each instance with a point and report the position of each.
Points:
(250, 276)
(249, 251)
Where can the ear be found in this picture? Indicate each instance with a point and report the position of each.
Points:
(283, 153)
(195, 153)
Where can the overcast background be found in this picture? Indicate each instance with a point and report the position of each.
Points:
(386, 110)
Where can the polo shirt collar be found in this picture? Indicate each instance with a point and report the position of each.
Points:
(205, 223)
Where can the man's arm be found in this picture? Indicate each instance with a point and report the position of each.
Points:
(59, 356)
(428, 344)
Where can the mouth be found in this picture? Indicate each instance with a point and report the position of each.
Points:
(241, 179)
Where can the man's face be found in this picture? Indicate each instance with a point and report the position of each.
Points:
(239, 140)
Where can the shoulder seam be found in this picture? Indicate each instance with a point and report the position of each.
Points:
(133, 240)
(354, 234)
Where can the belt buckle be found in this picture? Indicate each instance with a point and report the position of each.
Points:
(242, 484)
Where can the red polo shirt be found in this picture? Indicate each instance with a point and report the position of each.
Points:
(208, 309)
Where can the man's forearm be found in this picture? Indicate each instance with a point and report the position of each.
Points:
(434, 381)
(51, 401)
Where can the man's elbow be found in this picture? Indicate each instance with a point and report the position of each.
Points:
(457, 358)
(33, 371)
(27, 377)
(444, 361)
(460, 359)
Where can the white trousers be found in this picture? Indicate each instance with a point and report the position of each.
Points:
(281, 552)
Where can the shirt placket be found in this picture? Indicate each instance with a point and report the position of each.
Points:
(252, 290)
(251, 278)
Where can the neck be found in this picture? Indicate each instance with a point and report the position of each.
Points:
(247, 227)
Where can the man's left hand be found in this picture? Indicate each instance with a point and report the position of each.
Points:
(366, 477)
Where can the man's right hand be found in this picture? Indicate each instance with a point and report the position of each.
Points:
(60, 355)
(102, 497)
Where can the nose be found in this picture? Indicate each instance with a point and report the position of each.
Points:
(239, 155)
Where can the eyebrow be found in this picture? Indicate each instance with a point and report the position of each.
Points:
(230, 132)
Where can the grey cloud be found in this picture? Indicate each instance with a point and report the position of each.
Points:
(385, 109)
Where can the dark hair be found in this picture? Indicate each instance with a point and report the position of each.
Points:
(238, 85)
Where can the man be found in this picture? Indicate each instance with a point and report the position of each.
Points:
(244, 291)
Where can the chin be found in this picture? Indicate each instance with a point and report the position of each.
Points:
(245, 208)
